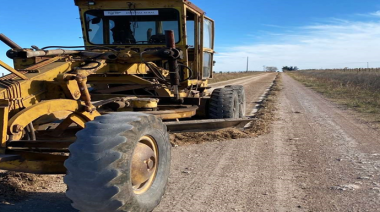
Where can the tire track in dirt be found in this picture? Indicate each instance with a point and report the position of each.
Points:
(329, 151)
(212, 162)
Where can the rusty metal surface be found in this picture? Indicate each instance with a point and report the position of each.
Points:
(85, 94)
(12, 76)
(173, 64)
(34, 68)
(9, 42)
(39, 53)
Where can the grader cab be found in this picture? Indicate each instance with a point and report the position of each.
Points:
(100, 112)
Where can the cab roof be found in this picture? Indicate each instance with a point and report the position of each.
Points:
(186, 2)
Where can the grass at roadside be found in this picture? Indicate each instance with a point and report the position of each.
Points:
(359, 91)
(219, 77)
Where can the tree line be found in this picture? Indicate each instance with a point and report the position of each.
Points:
(290, 68)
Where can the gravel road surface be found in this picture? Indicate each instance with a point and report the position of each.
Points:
(318, 157)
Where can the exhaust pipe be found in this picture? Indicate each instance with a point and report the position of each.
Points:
(173, 64)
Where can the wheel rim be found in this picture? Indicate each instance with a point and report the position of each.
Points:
(144, 164)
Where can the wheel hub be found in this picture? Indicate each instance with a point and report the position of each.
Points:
(144, 165)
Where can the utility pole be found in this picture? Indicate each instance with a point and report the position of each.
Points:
(367, 64)
(247, 64)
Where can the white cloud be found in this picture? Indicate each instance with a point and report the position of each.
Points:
(337, 44)
(377, 13)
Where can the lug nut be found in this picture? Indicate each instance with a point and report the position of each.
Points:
(149, 163)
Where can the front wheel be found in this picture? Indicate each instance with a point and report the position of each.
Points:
(119, 162)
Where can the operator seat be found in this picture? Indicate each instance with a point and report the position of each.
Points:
(122, 33)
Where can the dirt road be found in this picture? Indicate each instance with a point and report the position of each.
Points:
(317, 157)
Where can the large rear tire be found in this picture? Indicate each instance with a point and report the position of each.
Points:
(224, 103)
(241, 94)
(119, 162)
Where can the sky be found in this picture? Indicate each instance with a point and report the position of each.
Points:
(304, 33)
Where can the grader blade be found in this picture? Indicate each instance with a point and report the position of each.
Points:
(206, 125)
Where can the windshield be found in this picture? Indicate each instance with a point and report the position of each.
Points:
(131, 26)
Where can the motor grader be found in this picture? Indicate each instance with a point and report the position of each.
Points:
(99, 113)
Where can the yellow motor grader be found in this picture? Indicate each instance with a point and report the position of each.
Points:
(100, 113)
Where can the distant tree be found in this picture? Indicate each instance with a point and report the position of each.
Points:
(289, 68)
(271, 68)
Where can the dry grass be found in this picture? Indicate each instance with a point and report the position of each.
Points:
(369, 80)
(260, 125)
(356, 90)
(219, 77)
